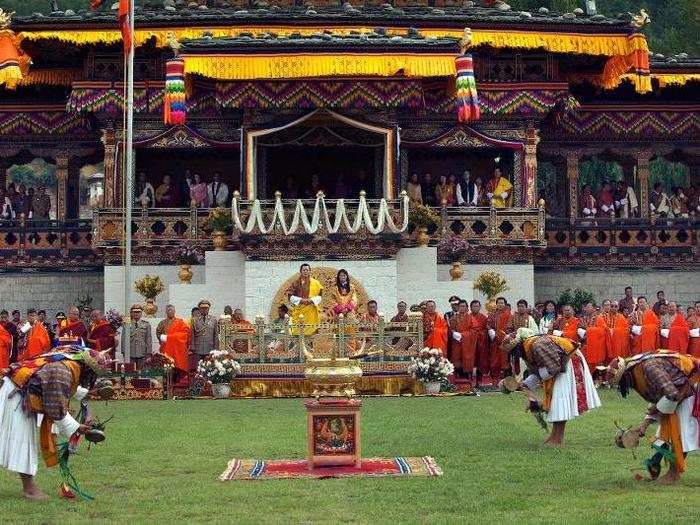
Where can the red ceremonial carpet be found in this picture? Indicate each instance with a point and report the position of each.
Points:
(297, 468)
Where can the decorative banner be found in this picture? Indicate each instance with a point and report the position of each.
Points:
(15, 123)
(12, 61)
(467, 97)
(105, 97)
(312, 94)
(174, 106)
(641, 122)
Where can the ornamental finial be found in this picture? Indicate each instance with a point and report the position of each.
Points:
(466, 40)
(173, 42)
(5, 18)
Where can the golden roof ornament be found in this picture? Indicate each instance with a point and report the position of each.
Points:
(173, 42)
(466, 40)
(5, 18)
(641, 19)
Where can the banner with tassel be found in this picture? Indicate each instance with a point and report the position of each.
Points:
(467, 97)
(174, 105)
(13, 63)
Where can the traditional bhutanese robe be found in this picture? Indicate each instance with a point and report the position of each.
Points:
(694, 344)
(305, 314)
(606, 202)
(588, 206)
(72, 329)
(37, 342)
(648, 339)
(617, 335)
(498, 321)
(565, 327)
(177, 342)
(5, 348)
(435, 329)
(498, 188)
(344, 303)
(678, 335)
(459, 323)
(671, 376)
(476, 343)
(102, 336)
(594, 345)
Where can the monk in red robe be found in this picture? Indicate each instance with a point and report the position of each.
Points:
(693, 321)
(459, 326)
(477, 339)
(36, 340)
(11, 329)
(435, 328)
(593, 347)
(102, 335)
(5, 348)
(497, 323)
(174, 336)
(566, 325)
(617, 332)
(678, 336)
(645, 328)
(72, 327)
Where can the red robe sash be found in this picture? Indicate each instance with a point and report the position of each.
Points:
(177, 344)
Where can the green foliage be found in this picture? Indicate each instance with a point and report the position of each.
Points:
(576, 298)
(421, 215)
(669, 174)
(161, 461)
(595, 172)
(33, 174)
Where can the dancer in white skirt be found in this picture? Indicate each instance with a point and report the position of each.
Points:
(669, 382)
(558, 365)
(42, 387)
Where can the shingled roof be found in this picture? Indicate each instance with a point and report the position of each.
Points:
(682, 62)
(474, 17)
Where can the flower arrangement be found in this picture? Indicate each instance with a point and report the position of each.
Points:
(189, 253)
(149, 286)
(218, 367)
(219, 219)
(157, 361)
(491, 284)
(430, 366)
(114, 318)
(421, 216)
(453, 248)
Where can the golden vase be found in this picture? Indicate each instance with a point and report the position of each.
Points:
(150, 308)
(218, 237)
(185, 274)
(422, 237)
(456, 271)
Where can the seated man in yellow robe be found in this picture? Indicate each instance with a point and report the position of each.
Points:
(499, 190)
(305, 297)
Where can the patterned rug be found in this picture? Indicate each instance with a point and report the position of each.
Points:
(298, 468)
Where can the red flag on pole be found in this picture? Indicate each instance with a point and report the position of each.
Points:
(125, 24)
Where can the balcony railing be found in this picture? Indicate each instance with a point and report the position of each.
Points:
(46, 243)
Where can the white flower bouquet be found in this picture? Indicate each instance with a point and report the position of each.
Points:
(218, 367)
(430, 366)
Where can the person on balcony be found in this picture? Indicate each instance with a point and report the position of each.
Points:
(7, 212)
(145, 195)
(415, 190)
(167, 195)
(466, 192)
(499, 190)
(444, 192)
(606, 200)
(344, 295)
(626, 202)
(693, 201)
(41, 204)
(588, 203)
(679, 203)
(199, 197)
(429, 190)
(218, 192)
(305, 295)
(659, 203)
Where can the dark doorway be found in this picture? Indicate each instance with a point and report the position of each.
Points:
(339, 171)
(156, 163)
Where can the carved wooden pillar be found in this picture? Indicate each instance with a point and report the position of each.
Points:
(643, 170)
(62, 190)
(530, 167)
(110, 144)
(572, 158)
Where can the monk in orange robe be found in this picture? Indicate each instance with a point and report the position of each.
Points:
(566, 325)
(617, 332)
(678, 336)
(435, 328)
(72, 327)
(693, 321)
(242, 326)
(645, 328)
(477, 339)
(460, 356)
(102, 333)
(497, 323)
(36, 338)
(5, 348)
(174, 336)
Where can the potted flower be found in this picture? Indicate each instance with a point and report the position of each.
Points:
(431, 369)
(186, 255)
(491, 284)
(454, 248)
(219, 368)
(422, 218)
(218, 221)
(149, 286)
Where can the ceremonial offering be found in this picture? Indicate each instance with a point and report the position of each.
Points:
(431, 369)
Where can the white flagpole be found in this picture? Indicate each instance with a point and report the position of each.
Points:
(129, 173)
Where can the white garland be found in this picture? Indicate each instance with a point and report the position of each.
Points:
(320, 215)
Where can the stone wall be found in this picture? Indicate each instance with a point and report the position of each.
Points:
(679, 285)
(50, 291)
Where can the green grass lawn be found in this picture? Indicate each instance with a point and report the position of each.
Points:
(162, 459)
